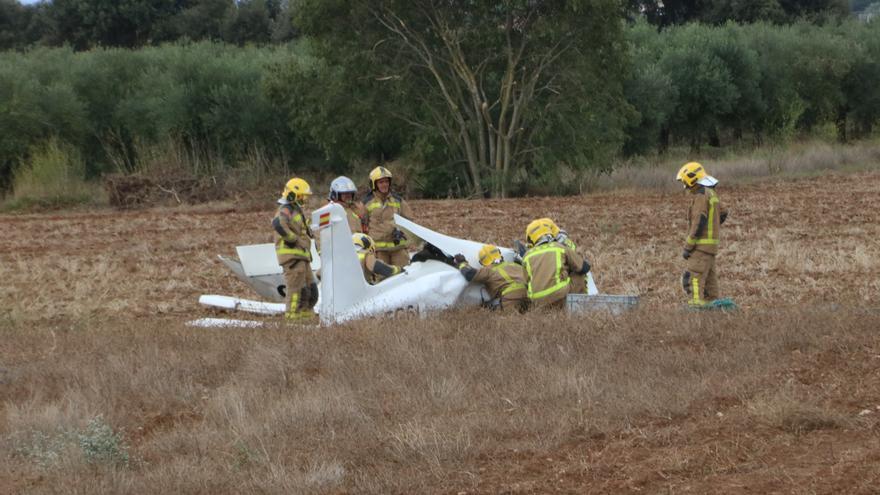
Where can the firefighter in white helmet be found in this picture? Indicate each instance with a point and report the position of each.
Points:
(344, 192)
(381, 204)
(293, 248)
(705, 216)
(374, 269)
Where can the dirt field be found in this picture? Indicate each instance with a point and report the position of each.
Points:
(782, 397)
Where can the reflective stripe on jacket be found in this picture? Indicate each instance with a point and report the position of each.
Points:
(376, 270)
(547, 267)
(704, 220)
(379, 219)
(505, 280)
(293, 236)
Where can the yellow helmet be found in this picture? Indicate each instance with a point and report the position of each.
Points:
(296, 190)
(363, 242)
(554, 229)
(690, 173)
(537, 229)
(489, 254)
(378, 173)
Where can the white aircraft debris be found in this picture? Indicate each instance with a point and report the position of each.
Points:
(345, 295)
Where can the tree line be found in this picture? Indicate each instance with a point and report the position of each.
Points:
(85, 24)
(500, 101)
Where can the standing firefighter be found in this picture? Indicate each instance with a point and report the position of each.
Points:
(343, 192)
(505, 281)
(381, 205)
(705, 216)
(293, 248)
(548, 266)
(374, 270)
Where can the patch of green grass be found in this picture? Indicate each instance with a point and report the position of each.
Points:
(52, 177)
(97, 443)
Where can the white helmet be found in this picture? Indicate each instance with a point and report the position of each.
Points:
(708, 181)
(341, 185)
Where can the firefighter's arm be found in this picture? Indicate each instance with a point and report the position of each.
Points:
(698, 221)
(466, 270)
(405, 210)
(722, 212)
(381, 268)
(282, 226)
(575, 262)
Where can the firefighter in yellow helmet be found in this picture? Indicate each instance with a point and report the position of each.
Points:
(343, 192)
(293, 248)
(705, 216)
(374, 269)
(549, 265)
(578, 280)
(505, 281)
(381, 204)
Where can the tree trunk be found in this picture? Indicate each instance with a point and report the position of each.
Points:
(840, 122)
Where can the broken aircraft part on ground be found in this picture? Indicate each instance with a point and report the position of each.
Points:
(422, 287)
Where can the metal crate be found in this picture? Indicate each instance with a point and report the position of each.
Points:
(581, 303)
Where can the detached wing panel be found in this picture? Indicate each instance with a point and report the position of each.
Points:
(449, 245)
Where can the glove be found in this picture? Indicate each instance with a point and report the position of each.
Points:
(686, 254)
(397, 236)
(459, 259)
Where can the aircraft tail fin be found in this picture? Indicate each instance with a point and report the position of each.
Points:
(342, 281)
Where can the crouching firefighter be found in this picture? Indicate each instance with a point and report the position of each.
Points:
(548, 265)
(374, 269)
(578, 280)
(705, 216)
(505, 281)
(293, 248)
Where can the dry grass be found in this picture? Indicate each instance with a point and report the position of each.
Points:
(416, 408)
(770, 399)
(793, 160)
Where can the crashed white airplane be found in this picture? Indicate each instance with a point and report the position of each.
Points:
(422, 287)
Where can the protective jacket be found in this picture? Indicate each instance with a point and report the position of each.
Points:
(578, 280)
(705, 216)
(380, 210)
(505, 281)
(293, 236)
(354, 215)
(547, 269)
(375, 270)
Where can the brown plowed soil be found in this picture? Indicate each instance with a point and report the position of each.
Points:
(800, 257)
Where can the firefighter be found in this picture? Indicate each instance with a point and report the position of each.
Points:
(374, 269)
(548, 265)
(578, 280)
(293, 248)
(505, 281)
(381, 204)
(705, 216)
(343, 192)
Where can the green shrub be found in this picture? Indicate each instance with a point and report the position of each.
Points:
(101, 445)
(97, 443)
(53, 176)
